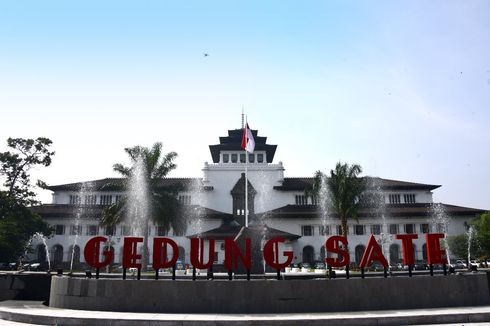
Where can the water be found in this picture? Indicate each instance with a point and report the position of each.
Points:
(38, 236)
(85, 189)
(138, 206)
(439, 224)
(376, 199)
(470, 233)
(138, 199)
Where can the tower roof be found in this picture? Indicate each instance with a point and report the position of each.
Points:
(233, 142)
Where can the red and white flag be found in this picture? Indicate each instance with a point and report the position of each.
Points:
(248, 142)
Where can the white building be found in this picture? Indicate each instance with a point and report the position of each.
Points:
(276, 200)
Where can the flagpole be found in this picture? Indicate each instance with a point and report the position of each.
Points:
(246, 179)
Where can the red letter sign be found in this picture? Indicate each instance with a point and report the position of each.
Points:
(195, 261)
(232, 253)
(333, 245)
(160, 253)
(435, 255)
(372, 253)
(407, 247)
(130, 255)
(269, 248)
(91, 253)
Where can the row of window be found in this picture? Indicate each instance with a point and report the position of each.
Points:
(360, 229)
(93, 229)
(396, 198)
(252, 158)
(92, 199)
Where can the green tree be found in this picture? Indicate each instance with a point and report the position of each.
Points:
(164, 208)
(458, 245)
(482, 233)
(17, 222)
(345, 188)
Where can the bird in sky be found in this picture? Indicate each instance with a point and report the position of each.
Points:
(205, 54)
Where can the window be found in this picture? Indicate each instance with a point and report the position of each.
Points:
(251, 158)
(394, 198)
(301, 200)
(185, 199)
(118, 198)
(424, 228)
(339, 229)
(179, 234)
(409, 228)
(92, 230)
(393, 228)
(314, 200)
(75, 200)
(216, 257)
(260, 158)
(161, 231)
(125, 230)
(306, 230)
(409, 198)
(242, 158)
(324, 230)
(90, 200)
(110, 230)
(376, 229)
(106, 199)
(234, 158)
(226, 158)
(75, 229)
(59, 229)
(359, 229)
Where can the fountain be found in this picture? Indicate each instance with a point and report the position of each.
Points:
(138, 206)
(439, 224)
(85, 189)
(38, 236)
(469, 235)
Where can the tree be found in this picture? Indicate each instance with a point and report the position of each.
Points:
(482, 233)
(345, 189)
(458, 246)
(164, 208)
(17, 222)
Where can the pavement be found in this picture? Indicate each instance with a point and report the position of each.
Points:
(35, 313)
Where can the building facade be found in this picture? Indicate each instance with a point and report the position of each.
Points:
(215, 208)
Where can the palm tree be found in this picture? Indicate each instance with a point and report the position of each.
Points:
(345, 189)
(163, 206)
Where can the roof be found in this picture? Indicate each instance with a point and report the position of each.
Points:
(231, 229)
(301, 184)
(117, 184)
(95, 211)
(233, 142)
(391, 210)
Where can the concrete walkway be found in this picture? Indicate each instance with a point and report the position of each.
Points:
(34, 312)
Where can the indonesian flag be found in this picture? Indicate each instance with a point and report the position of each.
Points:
(248, 142)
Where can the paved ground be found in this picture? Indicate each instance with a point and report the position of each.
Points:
(34, 313)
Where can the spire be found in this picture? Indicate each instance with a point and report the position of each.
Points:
(243, 122)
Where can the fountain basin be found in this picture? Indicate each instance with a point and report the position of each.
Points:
(269, 296)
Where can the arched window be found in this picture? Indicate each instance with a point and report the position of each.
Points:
(322, 254)
(182, 254)
(359, 252)
(394, 254)
(415, 256)
(308, 254)
(41, 253)
(57, 253)
(424, 252)
(75, 254)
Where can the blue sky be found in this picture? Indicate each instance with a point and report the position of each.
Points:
(403, 88)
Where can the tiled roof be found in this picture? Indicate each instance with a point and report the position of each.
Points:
(301, 184)
(398, 210)
(95, 211)
(117, 184)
